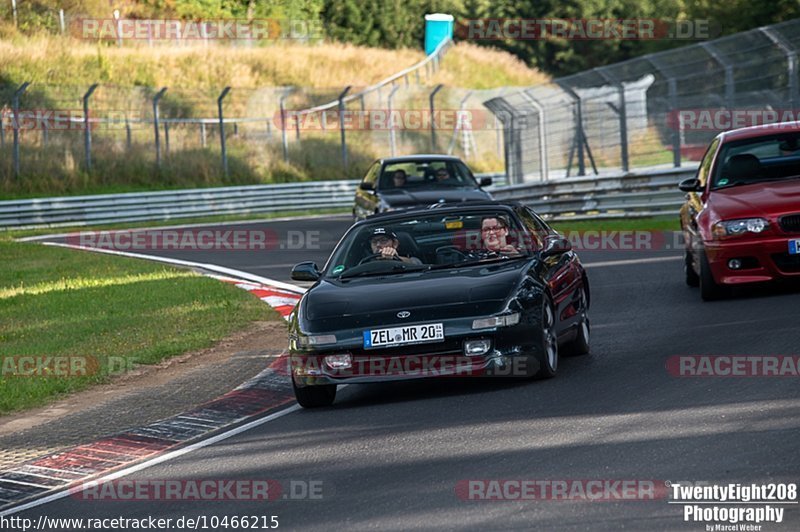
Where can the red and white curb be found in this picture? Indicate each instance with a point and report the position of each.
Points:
(283, 301)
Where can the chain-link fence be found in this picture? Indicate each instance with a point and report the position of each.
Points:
(656, 110)
(109, 130)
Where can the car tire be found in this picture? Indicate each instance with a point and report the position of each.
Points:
(314, 396)
(580, 344)
(547, 356)
(692, 279)
(709, 289)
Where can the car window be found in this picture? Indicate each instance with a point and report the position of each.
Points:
(372, 174)
(433, 173)
(537, 228)
(435, 239)
(705, 165)
(768, 157)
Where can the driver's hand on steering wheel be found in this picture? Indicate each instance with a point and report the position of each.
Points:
(388, 252)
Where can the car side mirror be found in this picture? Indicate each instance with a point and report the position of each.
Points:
(555, 246)
(690, 185)
(305, 271)
(485, 182)
(366, 186)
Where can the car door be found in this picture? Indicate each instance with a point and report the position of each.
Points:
(694, 204)
(366, 202)
(563, 274)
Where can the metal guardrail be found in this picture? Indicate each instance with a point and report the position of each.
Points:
(632, 195)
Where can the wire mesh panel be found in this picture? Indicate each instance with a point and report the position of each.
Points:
(658, 109)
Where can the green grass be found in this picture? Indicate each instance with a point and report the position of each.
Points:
(656, 223)
(108, 311)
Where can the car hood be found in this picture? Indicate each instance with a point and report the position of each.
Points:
(440, 294)
(769, 199)
(403, 197)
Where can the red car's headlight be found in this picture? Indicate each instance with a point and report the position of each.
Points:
(728, 228)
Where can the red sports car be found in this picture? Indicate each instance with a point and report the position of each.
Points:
(741, 219)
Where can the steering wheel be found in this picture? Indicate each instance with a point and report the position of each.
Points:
(374, 256)
(450, 248)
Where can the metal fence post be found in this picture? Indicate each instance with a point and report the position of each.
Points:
(431, 101)
(341, 125)
(45, 134)
(791, 63)
(284, 138)
(15, 107)
(128, 133)
(87, 130)
(222, 95)
(730, 86)
(62, 22)
(156, 99)
(166, 139)
(14, 11)
(543, 169)
(202, 134)
(392, 132)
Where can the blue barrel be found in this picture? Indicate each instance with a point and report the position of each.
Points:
(438, 28)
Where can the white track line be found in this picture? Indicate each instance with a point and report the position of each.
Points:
(155, 461)
(185, 226)
(631, 261)
(177, 262)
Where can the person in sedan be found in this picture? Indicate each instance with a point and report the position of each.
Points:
(399, 179)
(384, 242)
(443, 177)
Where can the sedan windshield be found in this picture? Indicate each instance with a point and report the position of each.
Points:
(431, 174)
(761, 159)
(431, 242)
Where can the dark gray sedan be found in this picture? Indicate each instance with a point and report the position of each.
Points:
(416, 181)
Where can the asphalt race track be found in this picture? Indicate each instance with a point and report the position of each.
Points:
(390, 457)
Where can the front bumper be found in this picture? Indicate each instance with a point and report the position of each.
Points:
(766, 259)
(512, 354)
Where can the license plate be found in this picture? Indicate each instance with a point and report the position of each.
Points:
(410, 334)
(794, 247)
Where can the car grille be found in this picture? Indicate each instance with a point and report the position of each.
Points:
(791, 223)
(787, 263)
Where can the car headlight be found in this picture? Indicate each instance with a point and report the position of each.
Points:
(506, 320)
(320, 339)
(739, 227)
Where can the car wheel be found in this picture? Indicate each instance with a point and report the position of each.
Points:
(547, 357)
(314, 396)
(692, 279)
(709, 289)
(580, 344)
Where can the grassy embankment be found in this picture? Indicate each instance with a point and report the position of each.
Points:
(62, 69)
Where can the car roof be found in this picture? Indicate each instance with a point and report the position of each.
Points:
(419, 158)
(764, 130)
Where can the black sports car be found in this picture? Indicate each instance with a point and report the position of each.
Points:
(475, 289)
(416, 181)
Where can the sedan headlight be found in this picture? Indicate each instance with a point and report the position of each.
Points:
(320, 339)
(739, 227)
(506, 320)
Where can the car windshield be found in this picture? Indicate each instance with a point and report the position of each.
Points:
(430, 241)
(431, 173)
(759, 159)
